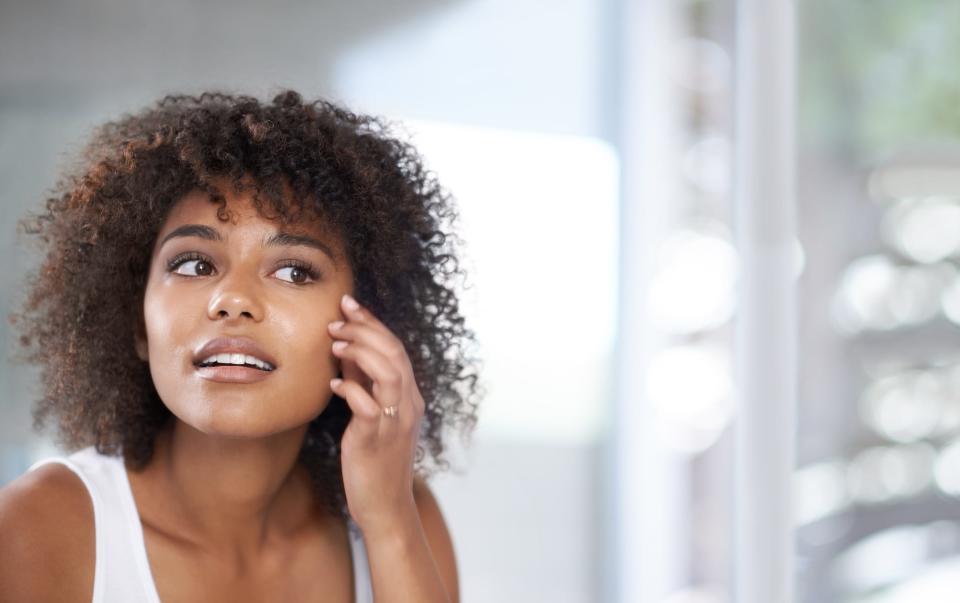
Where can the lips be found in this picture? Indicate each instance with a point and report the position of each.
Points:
(233, 345)
(226, 373)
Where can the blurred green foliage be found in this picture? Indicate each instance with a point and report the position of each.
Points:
(877, 74)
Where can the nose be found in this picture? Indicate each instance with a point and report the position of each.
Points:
(232, 301)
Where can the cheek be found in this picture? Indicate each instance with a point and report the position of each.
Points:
(168, 325)
(308, 345)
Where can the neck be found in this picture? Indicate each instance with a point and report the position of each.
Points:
(233, 495)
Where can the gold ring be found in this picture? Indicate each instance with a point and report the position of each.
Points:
(390, 411)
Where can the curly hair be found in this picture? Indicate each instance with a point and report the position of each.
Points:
(80, 308)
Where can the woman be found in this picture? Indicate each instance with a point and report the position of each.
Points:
(249, 337)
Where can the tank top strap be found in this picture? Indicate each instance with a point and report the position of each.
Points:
(122, 571)
(362, 580)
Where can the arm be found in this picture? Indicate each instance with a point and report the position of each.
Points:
(415, 561)
(408, 547)
(46, 538)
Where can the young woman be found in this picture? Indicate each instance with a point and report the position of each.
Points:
(251, 344)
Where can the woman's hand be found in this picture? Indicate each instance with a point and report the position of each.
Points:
(377, 450)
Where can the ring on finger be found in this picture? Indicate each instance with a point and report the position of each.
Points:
(390, 411)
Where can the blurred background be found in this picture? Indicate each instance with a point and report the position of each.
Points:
(590, 145)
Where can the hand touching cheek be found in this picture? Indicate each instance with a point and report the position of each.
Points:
(379, 443)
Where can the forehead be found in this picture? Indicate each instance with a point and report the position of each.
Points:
(240, 211)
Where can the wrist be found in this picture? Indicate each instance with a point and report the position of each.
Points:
(397, 526)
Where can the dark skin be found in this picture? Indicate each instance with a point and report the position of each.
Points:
(227, 511)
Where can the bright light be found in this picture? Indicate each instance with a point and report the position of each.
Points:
(933, 583)
(925, 230)
(877, 294)
(884, 558)
(950, 301)
(693, 290)
(904, 407)
(885, 473)
(800, 263)
(821, 490)
(862, 297)
(917, 296)
(707, 165)
(691, 389)
(947, 469)
(950, 413)
(538, 214)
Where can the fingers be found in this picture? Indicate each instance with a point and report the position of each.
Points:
(388, 379)
(358, 315)
(368, 350)
(351, 372)
(366, 411)
(363, 333)
(387, 364)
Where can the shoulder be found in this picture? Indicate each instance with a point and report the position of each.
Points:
(46, 518)
(438, 536)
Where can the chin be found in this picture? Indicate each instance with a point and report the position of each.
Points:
(237, 422)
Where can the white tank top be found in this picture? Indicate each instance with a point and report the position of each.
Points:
(122, 573)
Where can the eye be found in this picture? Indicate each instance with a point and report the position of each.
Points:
(201, 264)
(298, 271)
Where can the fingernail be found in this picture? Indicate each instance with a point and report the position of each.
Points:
(335, 382)
(339, 345)
(350, 302)
(336, 325)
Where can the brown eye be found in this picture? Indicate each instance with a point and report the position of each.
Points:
(298, 273)
(200, 264)
(201, 267)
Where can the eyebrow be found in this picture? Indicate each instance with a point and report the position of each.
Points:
(277, 239)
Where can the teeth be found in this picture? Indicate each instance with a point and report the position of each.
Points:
(238, 359)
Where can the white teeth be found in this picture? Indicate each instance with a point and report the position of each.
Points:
(239, 359)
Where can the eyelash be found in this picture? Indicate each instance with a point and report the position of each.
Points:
(307, 267)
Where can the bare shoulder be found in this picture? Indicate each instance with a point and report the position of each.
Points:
(438, 536)
(48, 547)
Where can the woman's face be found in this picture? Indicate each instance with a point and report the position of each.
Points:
(211, 279)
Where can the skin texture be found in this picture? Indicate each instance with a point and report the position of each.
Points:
(243, 489)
